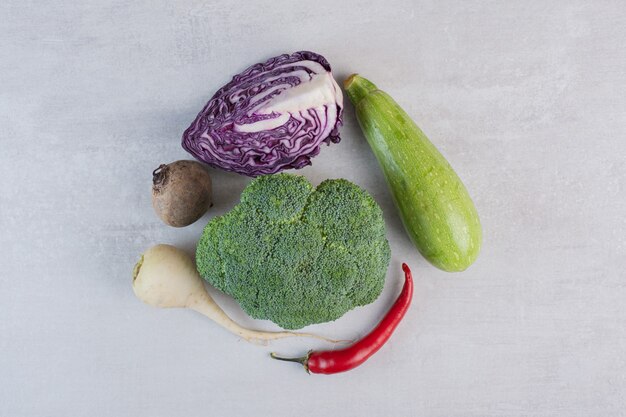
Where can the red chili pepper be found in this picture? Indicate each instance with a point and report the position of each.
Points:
(335, 361)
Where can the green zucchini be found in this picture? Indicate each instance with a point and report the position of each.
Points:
(435, 207)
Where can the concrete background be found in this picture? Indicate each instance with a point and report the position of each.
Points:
(526, 99)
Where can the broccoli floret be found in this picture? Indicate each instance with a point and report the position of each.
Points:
(297, 255)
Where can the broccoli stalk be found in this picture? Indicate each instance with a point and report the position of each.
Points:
(297, 255)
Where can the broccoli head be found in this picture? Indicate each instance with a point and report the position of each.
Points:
(295, 254)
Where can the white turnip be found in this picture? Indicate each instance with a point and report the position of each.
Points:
(166, 277)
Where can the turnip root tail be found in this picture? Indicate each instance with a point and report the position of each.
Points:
(205, 305)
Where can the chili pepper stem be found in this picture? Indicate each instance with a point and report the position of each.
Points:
(299, 360)
(303, 360)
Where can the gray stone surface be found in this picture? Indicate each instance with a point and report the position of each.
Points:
(526, 99)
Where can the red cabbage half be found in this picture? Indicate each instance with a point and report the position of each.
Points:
(272, 116)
